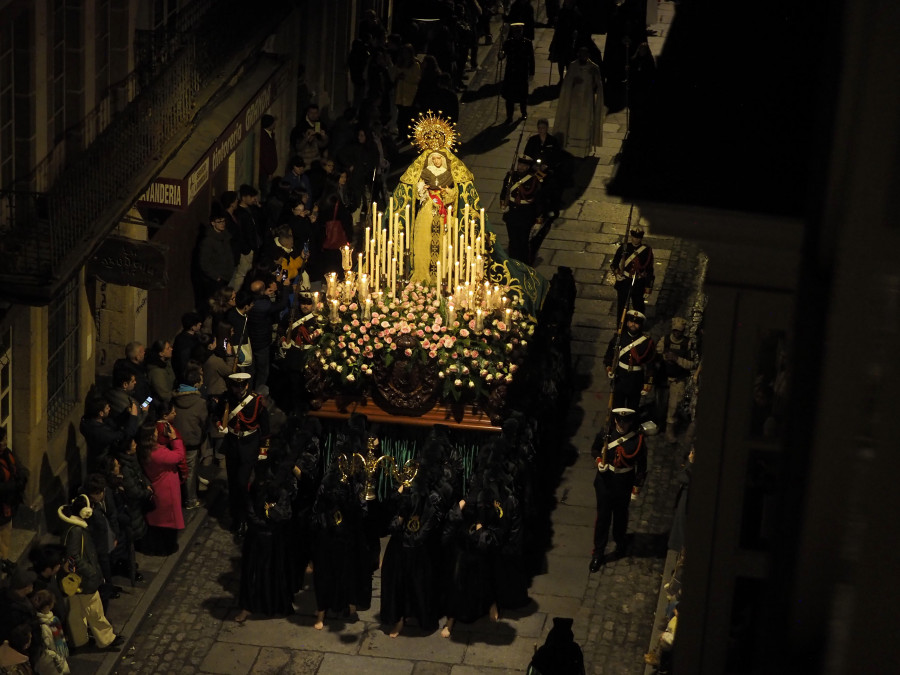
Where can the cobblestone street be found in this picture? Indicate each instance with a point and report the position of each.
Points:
(189, 627)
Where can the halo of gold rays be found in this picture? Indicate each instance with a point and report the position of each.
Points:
(433, 132)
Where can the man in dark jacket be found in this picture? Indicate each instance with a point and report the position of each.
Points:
(185, 342)
(268, 302)
(101, 434)
(216, 254)
(103, 527)
(134, 363)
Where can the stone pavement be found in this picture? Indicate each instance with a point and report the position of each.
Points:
(188, 629)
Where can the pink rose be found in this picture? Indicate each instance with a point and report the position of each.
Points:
(463, 333)
(407, 351)
(420, 333)
(432, 354)
(393, 346)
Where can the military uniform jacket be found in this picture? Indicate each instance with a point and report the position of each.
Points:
(520, 189)
(625, 452)
(636, 261)
(636, 352)
(251, 419)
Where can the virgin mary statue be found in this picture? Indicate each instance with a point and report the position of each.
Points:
(438, 186)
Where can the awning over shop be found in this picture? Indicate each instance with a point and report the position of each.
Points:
(219, 131)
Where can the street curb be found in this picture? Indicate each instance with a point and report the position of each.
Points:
(660, 618)
(141, 609)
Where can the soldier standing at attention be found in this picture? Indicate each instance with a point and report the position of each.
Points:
(633, 266)
(519, 199)
(621, 456)
(630, 368)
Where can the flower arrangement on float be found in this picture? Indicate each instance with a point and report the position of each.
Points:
(473, 348)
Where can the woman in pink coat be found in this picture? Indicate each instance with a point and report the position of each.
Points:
(160, 453)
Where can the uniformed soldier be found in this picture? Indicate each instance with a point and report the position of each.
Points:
(633, 266)
(520, 200)
(245, 420)
(519, 55)
(620, 454)
(675, 351)
(631, 368)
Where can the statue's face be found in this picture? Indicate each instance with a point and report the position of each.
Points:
(437, 160)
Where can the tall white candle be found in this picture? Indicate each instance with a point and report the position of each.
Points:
(407, 227)
(400, 254)
(374, 216)
(469, 267)
(439, 278)
(450, 265)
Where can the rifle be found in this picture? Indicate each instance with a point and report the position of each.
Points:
(612, 389)
(602, 466)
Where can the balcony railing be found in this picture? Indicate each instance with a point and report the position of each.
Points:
(42, 232)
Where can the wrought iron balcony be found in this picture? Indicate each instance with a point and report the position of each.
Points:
(46, 236)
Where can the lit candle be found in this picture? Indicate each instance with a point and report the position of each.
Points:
(316, 299)
(367, 311)
(391, 208)
(374, 216)
(508, 312)
(400, 254)
(394, 276)
(456, 273)
(359, 266)
(334, 311)
(479, 320)
(469, 267)
(450, 265)
(451, 314)
(466, 215)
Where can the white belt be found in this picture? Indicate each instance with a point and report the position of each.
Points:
(618, 470)
(630, 369)
(241, 434)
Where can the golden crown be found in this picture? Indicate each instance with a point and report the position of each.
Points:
(433, 132)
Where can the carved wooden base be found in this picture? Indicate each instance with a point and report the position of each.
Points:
(456, 416)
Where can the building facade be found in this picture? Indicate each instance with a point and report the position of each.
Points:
(120, 122)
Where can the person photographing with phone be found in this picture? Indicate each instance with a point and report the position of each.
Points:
(161, 453)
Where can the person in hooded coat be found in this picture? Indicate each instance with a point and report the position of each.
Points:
(339, 549)
(305, 450)
(266, 587)
(409, 570)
